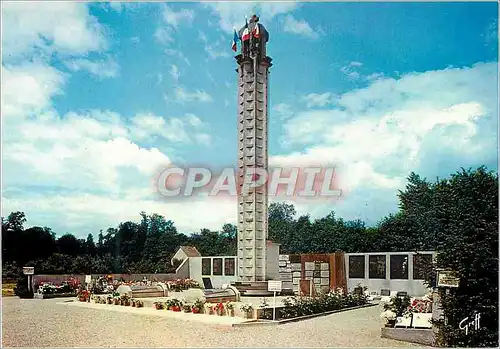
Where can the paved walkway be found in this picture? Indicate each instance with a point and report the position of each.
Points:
(47, 323)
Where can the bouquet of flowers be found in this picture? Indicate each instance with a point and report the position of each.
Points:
(230, 308)
(219, 308)
(419, 306)
(247, 309)
(182, 284)
(389, 316)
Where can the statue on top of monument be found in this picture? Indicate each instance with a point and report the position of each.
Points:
(254, 37)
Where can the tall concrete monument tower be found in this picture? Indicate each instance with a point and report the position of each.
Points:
(253, 73)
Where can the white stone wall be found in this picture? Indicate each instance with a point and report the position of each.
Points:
(413, 287)
(285, 272)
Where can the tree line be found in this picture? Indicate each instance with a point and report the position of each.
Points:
(148, 245)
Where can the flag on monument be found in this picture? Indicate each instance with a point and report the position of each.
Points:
(235, 41)
(256, 31)
(246, 33)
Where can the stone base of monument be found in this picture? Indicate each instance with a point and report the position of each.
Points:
(412, 335)
(253, 289)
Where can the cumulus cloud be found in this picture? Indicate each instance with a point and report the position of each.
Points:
(300, 27)
(104, 68)
(62, 28)
(319, 99)
(175, 18)
(377, 135)
(233, 14)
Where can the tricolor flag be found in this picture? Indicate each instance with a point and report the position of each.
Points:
(235, 41)
(256, 31)
(246, 34)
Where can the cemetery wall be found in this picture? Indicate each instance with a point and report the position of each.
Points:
(219, 269)
(393, 271)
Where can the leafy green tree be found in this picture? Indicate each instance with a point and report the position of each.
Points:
(463, 216)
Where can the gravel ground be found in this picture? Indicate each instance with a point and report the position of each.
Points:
(44, 323)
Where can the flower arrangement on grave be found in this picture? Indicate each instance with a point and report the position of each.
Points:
(109, 300)
(159, 305)
(117, 300)
(398, 305)
(246, 309)
(176, 305)
(47, 289)
(139, 303)
(197, 306)
(209, 308)
(132, 302)
(423, 305)
(83, 295)
(230, 309)
(264, 306)
(186, 308)
(125, 300)
(390, 318)
(219, 308)
(180, 285)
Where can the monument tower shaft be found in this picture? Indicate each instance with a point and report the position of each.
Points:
(253, 78)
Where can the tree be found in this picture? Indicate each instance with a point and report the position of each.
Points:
(463, 215)
(90, 245)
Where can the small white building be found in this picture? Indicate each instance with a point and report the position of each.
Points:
(185, 252)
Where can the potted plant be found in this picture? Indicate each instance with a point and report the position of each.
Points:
(168, 304)
(125, 300)
(209, 308)
(247, 309)
(230, 309)
(177, 305)
(390, 318)
(219, 308)
(109, 300)
(132, 302)
(197, 306)
(139, 304)
(159, 305)
(186, 308)
(117, 301)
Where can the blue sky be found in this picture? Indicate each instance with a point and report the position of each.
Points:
(97, 97)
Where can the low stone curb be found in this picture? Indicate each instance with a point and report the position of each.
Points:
(52, 295)
(300, 318)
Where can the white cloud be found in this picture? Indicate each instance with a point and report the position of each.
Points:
(193, 120)
(283, 110)
(182, 96)
(179, 54)
(84, 213)
(64, 28)
(377, 135)
(174, 73)
(232, 14)
(300, 27)
(319, 99)
(106, 68)
(27, 89)
(164, 35)
(174, 18)
(350, 70)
